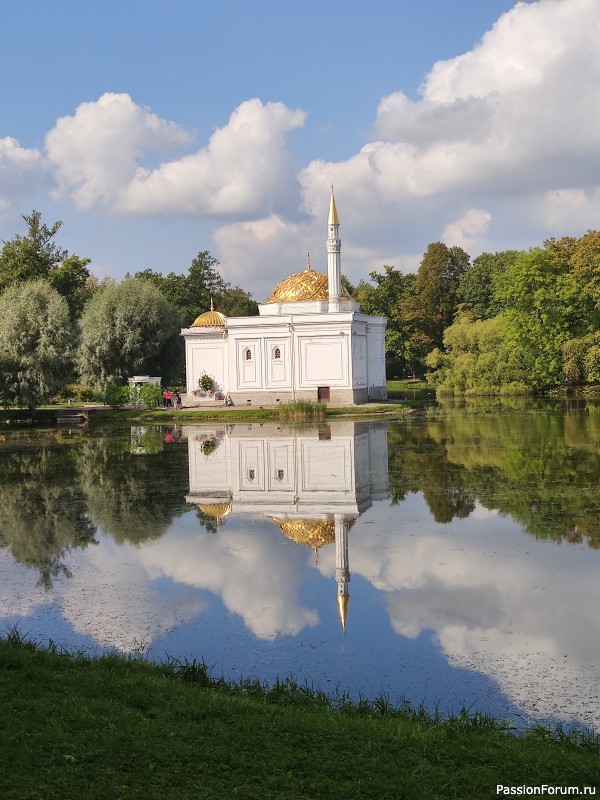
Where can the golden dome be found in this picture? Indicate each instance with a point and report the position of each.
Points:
(216, 510)
(210, 319)
(311, 532)
(303, 286)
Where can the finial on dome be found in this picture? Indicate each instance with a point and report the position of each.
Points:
(333, 218)
(308, 266)
(212, 305)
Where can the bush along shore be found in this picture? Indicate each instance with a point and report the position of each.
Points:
(110, 726)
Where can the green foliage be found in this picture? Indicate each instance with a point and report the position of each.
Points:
(70, 278)
(205, 382)
(116, 396)
(36, 256)
(151, 395)
(479, 358)
(36, 343)
(235, 302)
(191, 294)
(545, 307)
(436, 291)
(584, 259)
(386, 299)
(347, 285)
(78, 392)
(546, 333)
(476, 284)
(125, 722)
(128, 329)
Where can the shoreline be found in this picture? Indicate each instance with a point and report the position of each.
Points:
(117, 726)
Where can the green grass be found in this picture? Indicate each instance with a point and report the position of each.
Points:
(405, 385)
(302, 411)
(114, 727)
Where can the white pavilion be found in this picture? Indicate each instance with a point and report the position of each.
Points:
(309, 342)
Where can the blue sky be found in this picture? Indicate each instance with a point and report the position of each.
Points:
(155, 130)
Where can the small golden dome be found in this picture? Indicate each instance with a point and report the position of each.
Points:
(210, 319)
(311, 532)
(303, 286)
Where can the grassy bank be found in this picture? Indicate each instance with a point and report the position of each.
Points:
(238, 414)
(46, 416)
(113, 727)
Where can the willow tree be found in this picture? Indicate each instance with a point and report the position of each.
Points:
(128, 329)
(36, 343)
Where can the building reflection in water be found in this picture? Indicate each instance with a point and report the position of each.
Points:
(312, 482)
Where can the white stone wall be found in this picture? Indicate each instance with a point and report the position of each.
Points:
(262, 359)
(206, 353)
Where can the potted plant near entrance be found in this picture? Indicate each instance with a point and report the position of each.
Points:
(206, 383)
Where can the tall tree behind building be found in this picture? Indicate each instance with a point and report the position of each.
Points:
(36, 256)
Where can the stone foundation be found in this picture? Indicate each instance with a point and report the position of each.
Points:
(377, 392)
(337, 397)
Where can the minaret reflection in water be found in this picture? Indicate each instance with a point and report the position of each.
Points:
(312, 482)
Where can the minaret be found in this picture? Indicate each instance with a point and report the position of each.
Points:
(334, 262)
(342, 567)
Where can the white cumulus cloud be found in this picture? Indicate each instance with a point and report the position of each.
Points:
(503, 130)
(21, 170)
(469, 230)
(96, 152)
(244, 170)
(98, 155)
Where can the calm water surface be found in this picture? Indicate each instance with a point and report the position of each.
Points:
(452, 561)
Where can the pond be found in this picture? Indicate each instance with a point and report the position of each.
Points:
(451, 560)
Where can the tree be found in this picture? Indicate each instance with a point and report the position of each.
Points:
(236, 302)
(128, 329)
(584, 259)
(37, 256)
(545, 307)
(476, 284)
(36, 343)
(479, 359)
(191, 294)
(386, 299)
(436, 296)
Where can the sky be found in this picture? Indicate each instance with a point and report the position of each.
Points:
(156, 130)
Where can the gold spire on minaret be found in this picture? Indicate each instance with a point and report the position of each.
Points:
(342, 601)
(333, 218)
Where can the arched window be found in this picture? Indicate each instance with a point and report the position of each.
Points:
(248, 354)
(276, 353)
